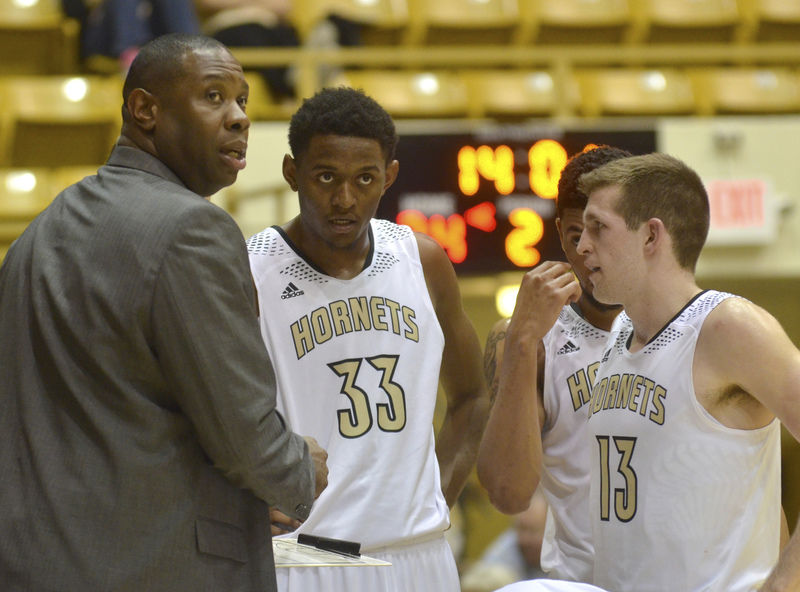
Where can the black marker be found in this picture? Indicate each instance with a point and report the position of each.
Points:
(326, 544)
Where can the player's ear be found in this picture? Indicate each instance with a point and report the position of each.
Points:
(655, 234)
(392, 169)
(143, 108)
(560, 236)
(290, 171)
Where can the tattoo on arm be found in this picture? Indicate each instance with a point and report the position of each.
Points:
(490, 362)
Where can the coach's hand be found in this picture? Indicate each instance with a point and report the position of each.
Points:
(320, 458)
(280, 523)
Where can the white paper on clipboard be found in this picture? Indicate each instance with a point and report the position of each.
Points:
(289, 553)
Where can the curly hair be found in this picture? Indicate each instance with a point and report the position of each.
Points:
(342, 111)
(569, 196)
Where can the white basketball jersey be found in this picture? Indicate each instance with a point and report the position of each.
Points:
(573, 348)
(678, 501)
(357, 364)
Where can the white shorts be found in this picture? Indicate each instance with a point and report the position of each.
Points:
(417, 567)
(549, 586)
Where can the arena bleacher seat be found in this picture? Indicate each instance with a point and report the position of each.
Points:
(463, 22)
(381, 22)
(518, 93)
(636, 91)
(412, 94)
(685, 21)
(747, 90)
(58, 120)
(578, 21)
(770, 20)
(36, 38)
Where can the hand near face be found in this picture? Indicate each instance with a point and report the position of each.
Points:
(544, 291)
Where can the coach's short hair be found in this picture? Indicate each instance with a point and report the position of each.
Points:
(658, 186)
(159, 64)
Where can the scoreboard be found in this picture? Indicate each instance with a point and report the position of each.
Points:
(488, 196)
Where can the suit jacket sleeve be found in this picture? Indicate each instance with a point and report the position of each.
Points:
(209, 345)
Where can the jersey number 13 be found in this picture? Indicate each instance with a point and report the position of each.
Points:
(624, 497)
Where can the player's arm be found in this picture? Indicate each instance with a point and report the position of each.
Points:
(460, 375)
(511, 430)
(747, 345)
(510, 456)
(742, 345)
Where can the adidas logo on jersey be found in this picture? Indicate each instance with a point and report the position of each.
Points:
(291, 291)
(567, 348)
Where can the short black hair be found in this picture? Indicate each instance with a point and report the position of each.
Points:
(160, 61)
(569, 196)
(342, 111)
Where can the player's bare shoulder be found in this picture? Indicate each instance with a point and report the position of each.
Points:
(737, 346)
(439, 273)
(429, 249)
(734, 327)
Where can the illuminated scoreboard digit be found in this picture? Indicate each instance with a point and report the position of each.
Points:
(488, 197)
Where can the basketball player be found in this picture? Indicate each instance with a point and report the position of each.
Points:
(683, 419)
(549, 352)
(361, 314)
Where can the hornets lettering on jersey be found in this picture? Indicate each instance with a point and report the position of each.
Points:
(579, 385)
(359, 313)
(631, 392)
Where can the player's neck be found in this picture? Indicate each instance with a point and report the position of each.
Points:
(341, 262)
(596, 313)
(653, 309)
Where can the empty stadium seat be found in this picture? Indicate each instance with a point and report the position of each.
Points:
(261, 105)
(747, 90)
(770, 20)
(58, 120)
(685, 21)
(636, 91)
(411, 94)
(518, 93)
(578, 21)
(36, 38)
(463, 22)
(382, 22)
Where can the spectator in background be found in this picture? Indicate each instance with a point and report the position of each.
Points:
(118, 28)
(267, 23)
(254, 23)
(76, 9)
(514, 555)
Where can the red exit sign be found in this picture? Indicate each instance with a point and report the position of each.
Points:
(741, 212)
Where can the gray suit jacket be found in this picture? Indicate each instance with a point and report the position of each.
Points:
(139, 439)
